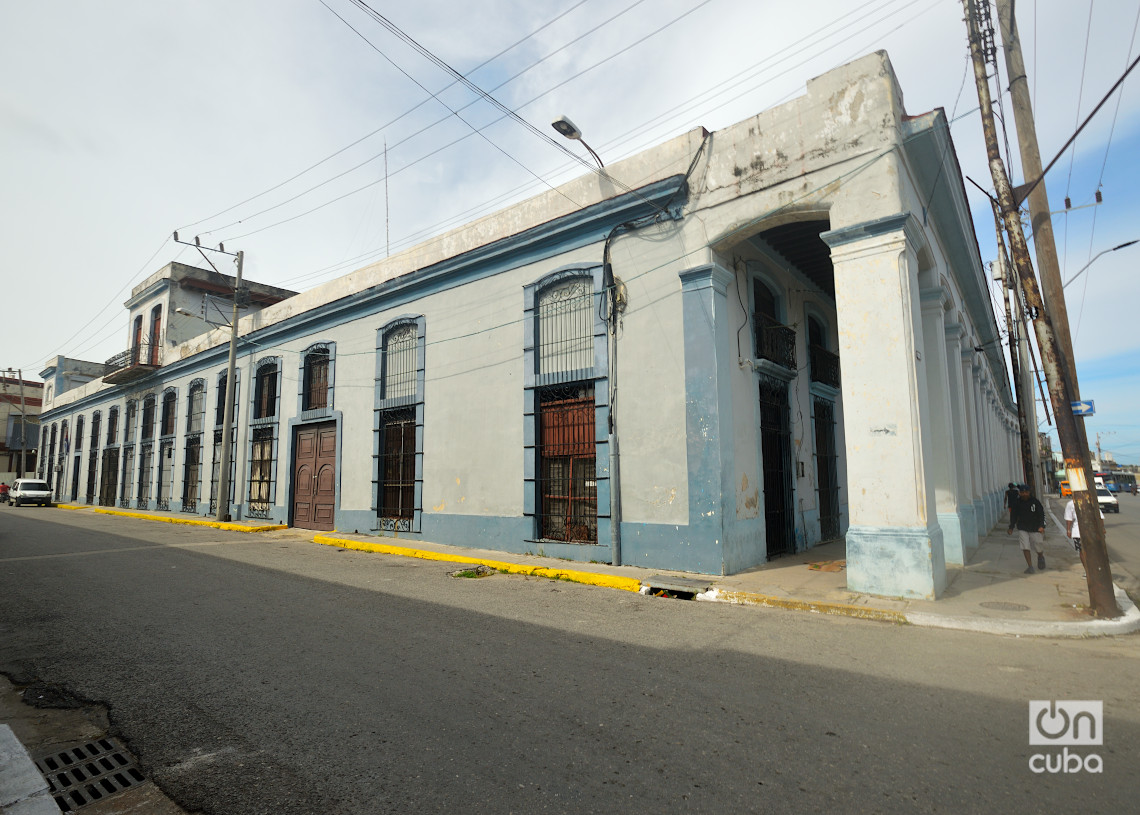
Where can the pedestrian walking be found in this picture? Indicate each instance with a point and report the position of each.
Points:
(1073, 530)
(1010, 496)
(1028, 517)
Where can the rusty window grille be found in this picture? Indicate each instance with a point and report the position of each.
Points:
(399, 365)
(261, 479)
(148, 418)
(169, 409)
(196, 408)
(568, 487)
(316, 384)
(265, 392)
(397, 476)
(566, 327)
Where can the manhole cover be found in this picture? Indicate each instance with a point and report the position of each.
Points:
(999, 605)
(88, 772)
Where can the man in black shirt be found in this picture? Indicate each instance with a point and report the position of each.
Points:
(1028, 516)
(1011, 496)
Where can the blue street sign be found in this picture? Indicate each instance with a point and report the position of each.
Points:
(1085, 408)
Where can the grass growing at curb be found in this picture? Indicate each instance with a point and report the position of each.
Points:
(572, 575)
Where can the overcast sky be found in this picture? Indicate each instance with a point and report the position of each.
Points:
(123, 121)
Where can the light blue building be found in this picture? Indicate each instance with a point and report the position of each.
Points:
(732, 346)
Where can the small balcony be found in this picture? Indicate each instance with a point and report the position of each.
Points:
(136, 362)
(824, 366)
(774, 342)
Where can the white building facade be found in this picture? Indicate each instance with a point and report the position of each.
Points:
(792, 342)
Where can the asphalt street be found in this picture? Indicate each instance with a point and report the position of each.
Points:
(266, 674)
(1122, 535)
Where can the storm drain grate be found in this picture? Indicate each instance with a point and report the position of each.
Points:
(88, 772)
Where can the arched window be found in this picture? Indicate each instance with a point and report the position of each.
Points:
(196, 406)
(79, 434)
(561, 470)
(130, 425)
(399, 379)
(148, 418)
(169, 410)
(774, 341)
(316, 379)
(155, 334)
(265, 390)
(113, 426)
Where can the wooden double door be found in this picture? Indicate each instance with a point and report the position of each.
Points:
(314, 476)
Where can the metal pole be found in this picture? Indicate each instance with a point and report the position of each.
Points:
(1101, 595)
(228, 412)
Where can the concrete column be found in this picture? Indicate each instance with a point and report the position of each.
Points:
(969, 394)
(709, 360)
(894, 543)
(960, 444)
(942, 431)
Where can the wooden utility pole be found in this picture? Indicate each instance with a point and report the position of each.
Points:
(1027, 440)
(1101, 594)
(1044, 245)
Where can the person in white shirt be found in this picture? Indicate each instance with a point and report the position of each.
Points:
(1073, 529)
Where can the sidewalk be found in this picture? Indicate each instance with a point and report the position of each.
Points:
(989, 594)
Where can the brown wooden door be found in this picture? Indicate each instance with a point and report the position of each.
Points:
(314, 476)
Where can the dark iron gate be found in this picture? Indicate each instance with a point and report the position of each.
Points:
(776, 448)
(827, 469)
(109, 482)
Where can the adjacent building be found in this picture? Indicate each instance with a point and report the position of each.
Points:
(20, 404)
(729, 347)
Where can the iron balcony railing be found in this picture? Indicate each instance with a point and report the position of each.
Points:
(824, 366)
(141, 357)
(774, 342)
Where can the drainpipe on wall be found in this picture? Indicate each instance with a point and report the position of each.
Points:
(611, 288)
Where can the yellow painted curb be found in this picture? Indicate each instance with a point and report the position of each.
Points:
(837, 609)
(589, 578)
(71, 506)
(188, 521)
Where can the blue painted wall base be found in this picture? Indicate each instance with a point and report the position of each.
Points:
(896, 561)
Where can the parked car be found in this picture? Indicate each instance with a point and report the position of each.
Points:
(31, 491)
(1107, 500)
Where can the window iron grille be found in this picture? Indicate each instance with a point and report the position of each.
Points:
(265, 392)
(397, 464)
(192, 474)
(567, 458)
(261, 473)
(316, 394)
(400, 363)
(566, 327)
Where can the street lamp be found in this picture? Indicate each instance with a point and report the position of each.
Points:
(568, 129)
(1098, 254)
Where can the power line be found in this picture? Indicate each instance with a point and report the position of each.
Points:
(386, 125)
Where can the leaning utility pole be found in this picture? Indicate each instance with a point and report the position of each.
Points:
(1044, 245)
(1027, 463)
(1101, 594)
